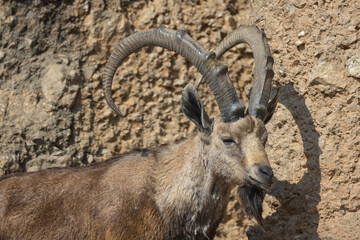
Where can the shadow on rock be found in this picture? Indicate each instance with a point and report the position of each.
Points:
(297, 217)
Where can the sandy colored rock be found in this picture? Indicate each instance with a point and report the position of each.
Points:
(328, 75)
(53, 83)
(353, 66)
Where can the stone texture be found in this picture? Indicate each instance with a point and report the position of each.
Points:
(353, 66)
(53, 112)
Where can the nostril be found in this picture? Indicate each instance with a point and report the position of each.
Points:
(262, 176)
(266, 170)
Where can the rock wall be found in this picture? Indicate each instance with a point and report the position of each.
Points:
(52, 55)
(315, 141)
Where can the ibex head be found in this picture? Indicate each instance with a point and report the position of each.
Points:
(235, 142)
(235, 152)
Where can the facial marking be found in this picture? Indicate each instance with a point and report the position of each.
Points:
(254, 151)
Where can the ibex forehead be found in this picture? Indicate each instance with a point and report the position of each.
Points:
(241, 127)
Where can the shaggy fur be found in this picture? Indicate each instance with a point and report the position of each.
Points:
(175, 192)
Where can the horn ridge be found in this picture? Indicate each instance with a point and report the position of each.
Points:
(181, 43)
(263, 72)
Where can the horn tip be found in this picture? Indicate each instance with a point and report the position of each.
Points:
(112, 105)
(118, 112)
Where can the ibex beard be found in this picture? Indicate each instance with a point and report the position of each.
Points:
(174, 192)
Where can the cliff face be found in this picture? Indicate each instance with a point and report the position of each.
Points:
(53, 112)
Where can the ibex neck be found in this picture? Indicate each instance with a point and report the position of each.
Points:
(187, 189)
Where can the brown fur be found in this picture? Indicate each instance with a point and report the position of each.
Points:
(176, 192)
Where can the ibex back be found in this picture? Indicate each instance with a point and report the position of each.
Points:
(174, 192)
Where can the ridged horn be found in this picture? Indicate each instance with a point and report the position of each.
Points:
(263, 72)
(180, 42)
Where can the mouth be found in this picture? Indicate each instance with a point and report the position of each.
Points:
(263, 185)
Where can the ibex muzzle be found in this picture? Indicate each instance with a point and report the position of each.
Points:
(174, 192)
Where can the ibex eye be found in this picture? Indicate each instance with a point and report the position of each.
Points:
(228, 141)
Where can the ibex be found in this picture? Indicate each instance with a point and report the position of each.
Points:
(174, 192)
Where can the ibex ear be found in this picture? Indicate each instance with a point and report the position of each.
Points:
(193, 108)
(272, 106)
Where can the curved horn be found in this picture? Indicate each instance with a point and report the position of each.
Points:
(263, 72)
(180, 42)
